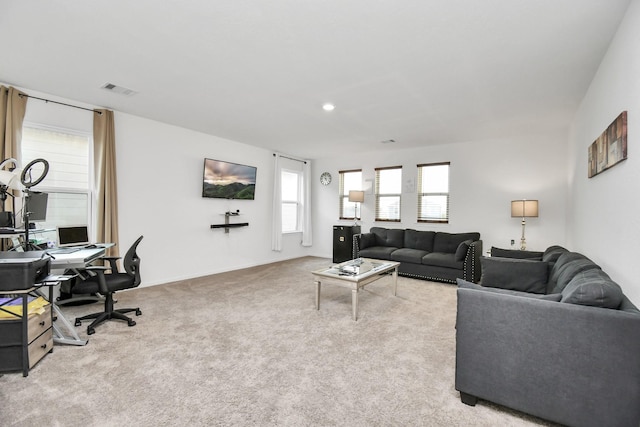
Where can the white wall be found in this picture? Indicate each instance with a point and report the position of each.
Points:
(603, 219)
(160, 186)
(160, 170)
(485, 176)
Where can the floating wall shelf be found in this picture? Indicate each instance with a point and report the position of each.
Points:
(227, 225)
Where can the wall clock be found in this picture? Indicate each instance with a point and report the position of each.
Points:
(325, 178)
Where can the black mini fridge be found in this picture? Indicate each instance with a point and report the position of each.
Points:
(343, 242)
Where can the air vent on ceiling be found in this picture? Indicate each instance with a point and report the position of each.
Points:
(388, 141)
(118, 89)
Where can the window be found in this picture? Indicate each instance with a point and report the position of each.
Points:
(68, 181)
(291, 201)
(388, 193)
(433, 192)
(349, 180)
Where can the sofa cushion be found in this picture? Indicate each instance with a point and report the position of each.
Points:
(517, 274)
(567, 272)
(594, 288)
(468, 285)
(552, 253)
(388, 236)
(564, 259)
(462, 250)
(377, 252)
(448, 242)
(422, 240)
(408, 255)
(442, 260)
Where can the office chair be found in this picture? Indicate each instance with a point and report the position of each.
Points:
(108, 284)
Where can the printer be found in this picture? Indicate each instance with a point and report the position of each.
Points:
(22, 270)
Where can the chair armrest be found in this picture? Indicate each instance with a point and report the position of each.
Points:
(97, 268)
(550, 359)
(112, 262)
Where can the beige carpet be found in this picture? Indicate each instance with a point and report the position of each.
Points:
(248, 348)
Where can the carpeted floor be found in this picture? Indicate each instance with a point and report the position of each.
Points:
(248, 348)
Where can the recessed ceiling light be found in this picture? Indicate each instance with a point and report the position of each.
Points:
(328, 107)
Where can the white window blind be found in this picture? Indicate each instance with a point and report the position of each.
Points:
(291, 201)
(348, 180)
(433, 192)
(388, 193)
(68, 182)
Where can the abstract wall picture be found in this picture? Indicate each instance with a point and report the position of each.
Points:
(610, 148)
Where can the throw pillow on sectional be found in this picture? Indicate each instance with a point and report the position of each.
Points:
(515, 274)
(594, 288)
(462, 249)
(515, 253)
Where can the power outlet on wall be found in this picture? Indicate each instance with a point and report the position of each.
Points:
(513, 243)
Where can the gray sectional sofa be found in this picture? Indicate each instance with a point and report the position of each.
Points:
(429, 255)
(551, 336)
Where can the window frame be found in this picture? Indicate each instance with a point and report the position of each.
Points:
(297, 203)
(423, 218)
(89, 191)
(379, 195)
(343, 194)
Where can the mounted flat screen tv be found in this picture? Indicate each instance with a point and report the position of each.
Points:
(226, 180)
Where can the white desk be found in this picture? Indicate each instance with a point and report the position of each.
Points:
(72, 261)
(78, 259)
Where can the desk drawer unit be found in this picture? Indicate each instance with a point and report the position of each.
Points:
(17, 354)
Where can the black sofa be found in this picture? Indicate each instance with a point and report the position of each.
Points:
(552, 336)
(429, 255)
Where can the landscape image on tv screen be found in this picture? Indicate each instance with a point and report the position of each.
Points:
(226, 180)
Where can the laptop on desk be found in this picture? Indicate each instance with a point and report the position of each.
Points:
(71, 238)
(73, 235)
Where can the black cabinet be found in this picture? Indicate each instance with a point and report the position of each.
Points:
(343, 242)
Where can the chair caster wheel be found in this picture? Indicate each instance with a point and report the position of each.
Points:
(131, 323)
(138, 312)
(78, 323)
(90, 331)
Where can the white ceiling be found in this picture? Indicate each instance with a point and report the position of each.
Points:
(258, 71)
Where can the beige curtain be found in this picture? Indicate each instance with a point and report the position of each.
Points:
(12, 109)
(104, 144)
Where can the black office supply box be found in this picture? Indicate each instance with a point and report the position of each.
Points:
(22, 270)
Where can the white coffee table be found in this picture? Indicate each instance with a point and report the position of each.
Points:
(355, 274)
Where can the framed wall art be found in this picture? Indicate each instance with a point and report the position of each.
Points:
(610, 148)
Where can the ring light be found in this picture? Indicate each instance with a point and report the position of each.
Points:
(27, 173)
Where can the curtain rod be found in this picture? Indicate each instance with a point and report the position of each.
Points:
(60, 103)
(291, 158)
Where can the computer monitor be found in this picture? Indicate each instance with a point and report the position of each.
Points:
(73, 235)
(38, 206)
